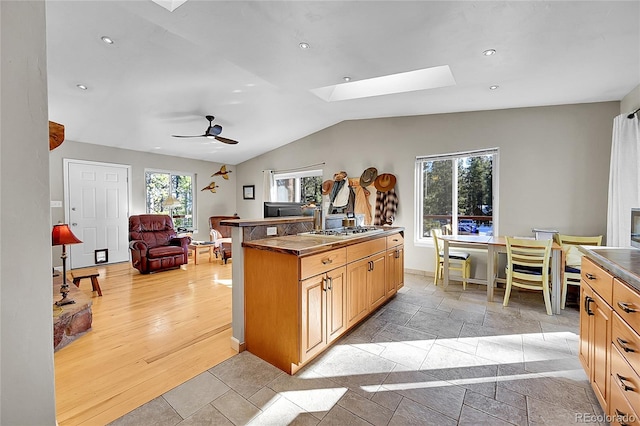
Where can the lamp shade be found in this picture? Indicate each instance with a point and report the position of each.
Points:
(171, 202)
(61, 234)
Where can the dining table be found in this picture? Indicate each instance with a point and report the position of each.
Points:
(494, 245)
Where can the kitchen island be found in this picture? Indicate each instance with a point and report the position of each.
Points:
(302, 292)
(609, 348)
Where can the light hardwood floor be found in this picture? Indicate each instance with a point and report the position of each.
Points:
(150, 333)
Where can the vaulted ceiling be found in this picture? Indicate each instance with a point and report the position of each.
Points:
(240, 61)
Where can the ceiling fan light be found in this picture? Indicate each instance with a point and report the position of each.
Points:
(210, 137)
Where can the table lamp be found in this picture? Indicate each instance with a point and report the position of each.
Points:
(170, 203)
(61, 235)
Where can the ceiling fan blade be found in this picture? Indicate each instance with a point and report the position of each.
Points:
(195, 136)
(225, 140)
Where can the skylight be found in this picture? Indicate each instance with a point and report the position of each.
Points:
(410, 81)
(170, 5)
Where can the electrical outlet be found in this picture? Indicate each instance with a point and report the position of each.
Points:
(272, 230)
(56, 203)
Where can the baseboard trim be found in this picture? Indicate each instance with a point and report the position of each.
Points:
(237, 346)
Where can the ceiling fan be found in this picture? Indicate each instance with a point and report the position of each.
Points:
(212, 132)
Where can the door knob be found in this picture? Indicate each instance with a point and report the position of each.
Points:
(74, 224)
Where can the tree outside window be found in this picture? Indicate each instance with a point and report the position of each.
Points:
(161, 184)
(299, 187)
(455, 193)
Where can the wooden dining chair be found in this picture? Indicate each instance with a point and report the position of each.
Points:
(458, 260)
(572, 259)
(528, 267)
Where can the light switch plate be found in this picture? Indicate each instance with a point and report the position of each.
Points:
(56, 203)
(272, 230)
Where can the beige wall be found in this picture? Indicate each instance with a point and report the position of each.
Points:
(222, 202)
(553, 170)
(27, 394)
(631, 102)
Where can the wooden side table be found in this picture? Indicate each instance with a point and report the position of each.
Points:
(195, 247)
(87, 273)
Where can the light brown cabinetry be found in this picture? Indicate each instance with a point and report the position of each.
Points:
(295, 306)
(366, 279)
(323, 314)
(395, 263)
(609, 343)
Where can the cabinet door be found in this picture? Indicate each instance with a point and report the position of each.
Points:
(586, 298)
(313, 316)
(399, 267)
(357, 306)
(377, 280)
(600, 337)
(336, 300)
(391, 272)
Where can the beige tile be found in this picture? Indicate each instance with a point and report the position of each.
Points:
(494, 408)
(404, 354)
(206, 416)
(245, 373)
(365, 409)
(237, 409)
(194, 394)
(282, 412)
(412, 413)
(155, 412)
(264, 398)
(472, 417)
(338, 416)
(387, 398)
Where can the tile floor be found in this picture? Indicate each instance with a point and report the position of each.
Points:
(427, 357)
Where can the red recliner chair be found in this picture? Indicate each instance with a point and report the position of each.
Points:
(154, 245)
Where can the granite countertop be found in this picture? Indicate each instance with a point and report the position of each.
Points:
(303, 245)
(621, 262)
(266, 221)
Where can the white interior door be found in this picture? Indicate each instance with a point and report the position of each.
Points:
(97, 206)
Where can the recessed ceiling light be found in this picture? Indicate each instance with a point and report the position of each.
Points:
(107, 40)
(81, 86)
(304, 45)
(494, 87)
(489, 52)
(347, 79)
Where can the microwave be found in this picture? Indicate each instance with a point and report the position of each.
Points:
(635, 227)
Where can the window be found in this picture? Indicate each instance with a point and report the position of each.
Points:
(160, 185)
(457, 193)
(299, 187)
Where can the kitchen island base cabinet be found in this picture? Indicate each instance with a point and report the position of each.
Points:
(323, 314)
(609, 344)
(297, 305)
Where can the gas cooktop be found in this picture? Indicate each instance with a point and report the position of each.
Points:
(346, 232)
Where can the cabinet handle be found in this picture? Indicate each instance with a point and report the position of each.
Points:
(327, 261)
(590, 276)
(623, 383)
(397, 254)
(587, 302)
(330, 283)
(324, 284)
(625, 307)
(623, 345)
(395, 240)
(620, 416)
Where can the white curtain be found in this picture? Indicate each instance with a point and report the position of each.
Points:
(624, 179)
(268, 186)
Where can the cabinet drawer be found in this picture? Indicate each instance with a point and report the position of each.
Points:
(623, 376)
(323, 262)
(599, 280)
(620, 410)
(362, 250)
(627, 304)
(395, 240)
(626, 341)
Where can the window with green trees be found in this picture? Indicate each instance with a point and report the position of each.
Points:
(456, 193)
(299, 187)
(160, 185)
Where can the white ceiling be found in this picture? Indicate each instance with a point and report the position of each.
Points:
(240, 61)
